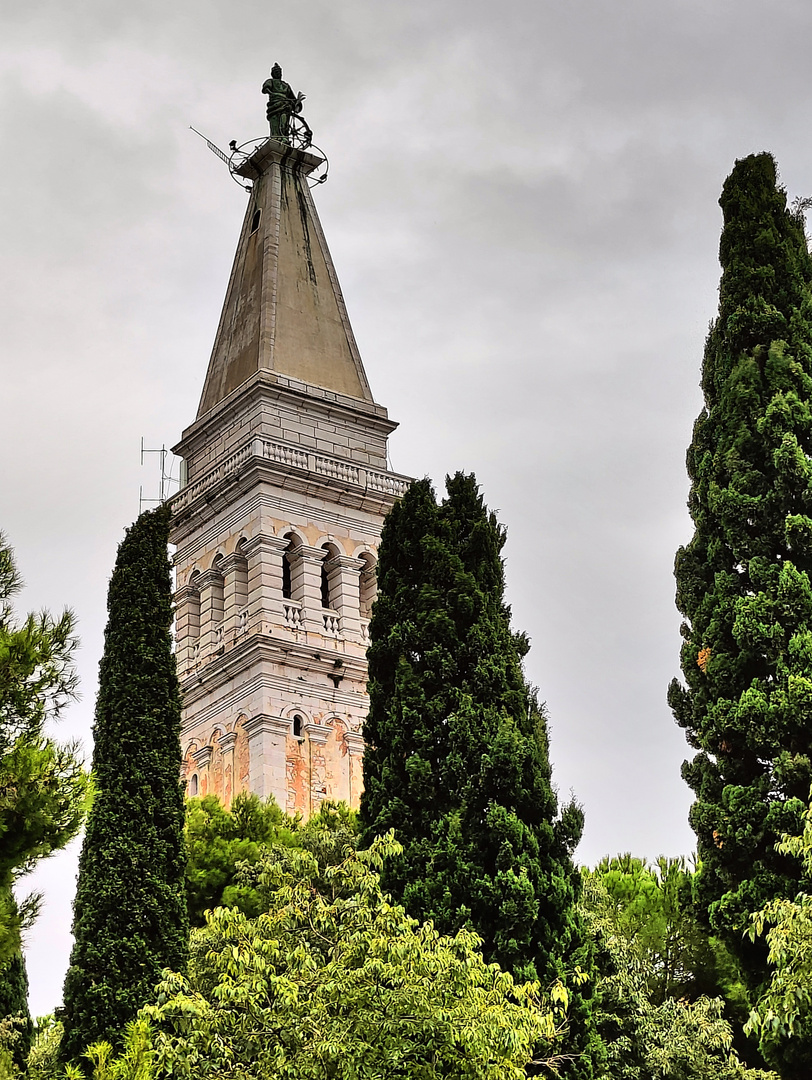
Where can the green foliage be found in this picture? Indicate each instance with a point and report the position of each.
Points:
(130, 910)
(334, 982)
(456, 754)
(43, 1058)
(784, 1012)
(14, 1007)
(645, 1038)
(743, 581)
(653, 906)
(223, 845)
(217, 840)
(42, 783)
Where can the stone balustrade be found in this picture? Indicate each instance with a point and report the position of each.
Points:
(294, 457)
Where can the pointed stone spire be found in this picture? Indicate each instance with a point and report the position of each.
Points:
(283, 312)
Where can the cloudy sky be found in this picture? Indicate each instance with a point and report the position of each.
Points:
(522, 209)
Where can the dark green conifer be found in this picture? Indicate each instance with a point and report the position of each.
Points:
(14, 1007)
(457, 758)
(130, 916)
(743, 581)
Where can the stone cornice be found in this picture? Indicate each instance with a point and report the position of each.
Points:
(302, 397)
(252, 649)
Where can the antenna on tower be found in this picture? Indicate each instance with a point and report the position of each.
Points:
(166, 478)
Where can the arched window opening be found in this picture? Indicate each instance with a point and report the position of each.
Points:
(298, 724)
(329, 582)
(325, 587)
(368, 585)
(287, 582)
(193, 785)
(255, 220)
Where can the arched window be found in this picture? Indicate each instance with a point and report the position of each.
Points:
(298, 725)
(292, 569)
(193, 785)
(287, 589)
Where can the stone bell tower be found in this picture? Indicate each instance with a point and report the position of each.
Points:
(278, 521)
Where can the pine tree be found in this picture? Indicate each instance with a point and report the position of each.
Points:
(130, 916)
(743, 581)
(457, 756)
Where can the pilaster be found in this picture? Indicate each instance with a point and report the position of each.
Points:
(264, 580)
(267, 755)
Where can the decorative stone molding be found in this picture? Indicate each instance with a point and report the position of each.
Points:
(210, 577)
(355, 743)
(262, 725)
(227, 741)
(318, 733)
(202, 757)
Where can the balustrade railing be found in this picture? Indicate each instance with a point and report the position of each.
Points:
(292, 610)
(307, 461)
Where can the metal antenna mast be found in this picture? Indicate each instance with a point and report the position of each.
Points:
(166, 478)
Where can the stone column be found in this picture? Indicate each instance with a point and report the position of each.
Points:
(211, 611)
(227, 744)
(306, 581)
(235, 593)
(267, 756)
(187, 625)
(354, 742)
(345, 592)
(264, 555)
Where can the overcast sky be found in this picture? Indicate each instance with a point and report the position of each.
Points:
(522, 209)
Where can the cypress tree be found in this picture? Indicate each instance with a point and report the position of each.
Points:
(457, 755)
(14, 1006)
(743, 582)
(130, 916)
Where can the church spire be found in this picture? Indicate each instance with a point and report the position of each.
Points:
(284, 311)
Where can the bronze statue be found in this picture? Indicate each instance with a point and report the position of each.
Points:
(284, 107)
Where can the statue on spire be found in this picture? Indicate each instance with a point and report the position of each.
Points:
(284, 111)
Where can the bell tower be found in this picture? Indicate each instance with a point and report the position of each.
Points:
(277, 523)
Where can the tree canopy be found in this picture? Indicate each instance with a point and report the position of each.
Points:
(43, 786)
(223, 844)
(743, 580)
(457, 751)
(334, 980)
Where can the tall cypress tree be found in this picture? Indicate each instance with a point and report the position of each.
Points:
(14, 1006)
(743, 582)
(130, 916)
(457, 756)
